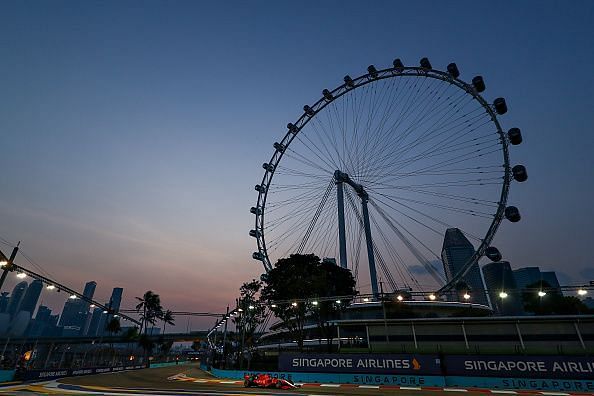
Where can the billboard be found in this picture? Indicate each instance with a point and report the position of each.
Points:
(570, 367)
(408, 364)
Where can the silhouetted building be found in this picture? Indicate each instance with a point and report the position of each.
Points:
(75, 312)
(526, 276)
(551, 278)
(93, 329)
(43, 314)
(456, 252)
(31, 297)
(4, 302)
(530, 275)
(500, 278)
(116, 299)
(41, 322)
(16, 297)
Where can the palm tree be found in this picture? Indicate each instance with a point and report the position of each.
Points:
(150, 305)
(167, 318)
(113, 327)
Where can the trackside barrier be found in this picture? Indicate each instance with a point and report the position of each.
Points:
(32, 375)
(332, 378)
(6, 375)
(167, 364)
(575, 373)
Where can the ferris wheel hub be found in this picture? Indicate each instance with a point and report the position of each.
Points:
(341, 177)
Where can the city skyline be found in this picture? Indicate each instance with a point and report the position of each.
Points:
(134, 146)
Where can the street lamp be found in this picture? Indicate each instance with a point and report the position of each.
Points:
(541, 293)
(503, 294)
(466, 296)
(3, 263)
(50, 287)
(432, 297)
(72, 297)
(21, 275)
(582, 292)
(294, 304)
(314, 303)
(338, 301)
(399, 298)
(365, 299)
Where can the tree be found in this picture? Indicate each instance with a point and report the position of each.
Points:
(113, 326)
(304, 276)
(167, 318)
(253, 313)
(147, 345)
(150, 305)
(331, 280)
(553, 303)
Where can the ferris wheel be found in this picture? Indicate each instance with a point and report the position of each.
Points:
(373, 173)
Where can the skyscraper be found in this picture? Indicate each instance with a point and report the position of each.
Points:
(93, 329)
(31, 297)
(74, 314)
(500, 278)
(530, 275)
(526, 276)
(456, 252)
(4, 299)
(16, 297)
(116, 298)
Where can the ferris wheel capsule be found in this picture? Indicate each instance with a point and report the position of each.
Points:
(512, 214)
(493, 253)
(453, 70)
(478, 83)
(500, 106)
(425, 64)
(349, 81)
(519, 173)
(515, 136)
(398, 65)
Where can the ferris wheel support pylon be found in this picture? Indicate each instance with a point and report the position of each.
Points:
(340, 178)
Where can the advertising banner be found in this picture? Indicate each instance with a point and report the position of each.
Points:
(31, 375)
(361, 363)
(570, 367)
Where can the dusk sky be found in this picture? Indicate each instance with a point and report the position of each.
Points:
(133, 132)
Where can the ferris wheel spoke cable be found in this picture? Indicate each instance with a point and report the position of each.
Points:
(377, 253)
(397, 262)
(454, 209)
(315, 218)
(440, 222)
(440, 148)
(397, 158)
(425, 262)
(457, 198)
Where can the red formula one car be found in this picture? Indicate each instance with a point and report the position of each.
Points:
(268, 381)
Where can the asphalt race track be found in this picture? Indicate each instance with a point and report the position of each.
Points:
(190, 380)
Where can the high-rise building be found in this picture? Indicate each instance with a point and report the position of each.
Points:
(500, 278)
(4, 298)
(93, 329)
(43, 314)
(526, 276)
(16, 297)
(41, 322)
(456, 252)
(116, 299)
(530, 275)
(31, 297)
(89, 290)
(551, 278)
(75, 312)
